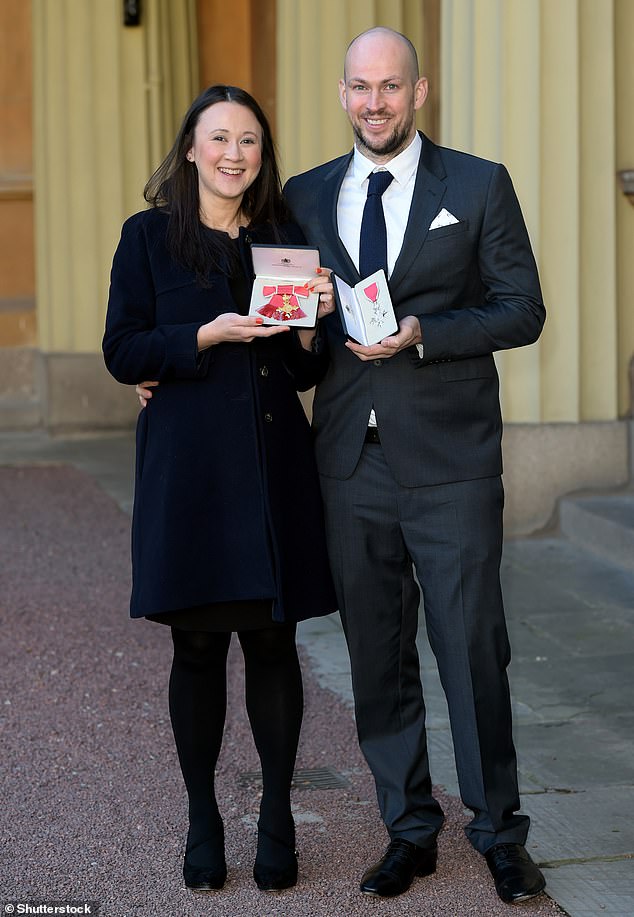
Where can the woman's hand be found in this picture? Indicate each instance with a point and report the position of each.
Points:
(322, 285)
(226, 327)
(229, 326)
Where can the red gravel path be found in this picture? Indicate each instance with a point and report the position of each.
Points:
(93, 804)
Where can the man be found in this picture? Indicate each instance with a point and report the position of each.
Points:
(407, 437)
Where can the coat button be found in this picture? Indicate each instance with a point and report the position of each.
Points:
(378, 362)
(264, 371)
(268, 418)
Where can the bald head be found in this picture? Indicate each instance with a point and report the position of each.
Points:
(381, 37)
(381, 92)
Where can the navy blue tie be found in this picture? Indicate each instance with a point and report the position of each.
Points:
(373, 241)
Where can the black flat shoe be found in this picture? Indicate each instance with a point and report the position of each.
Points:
(516, 877)
(213, 875)
(275, 865)
(395, 871)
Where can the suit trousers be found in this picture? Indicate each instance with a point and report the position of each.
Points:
(450, 536)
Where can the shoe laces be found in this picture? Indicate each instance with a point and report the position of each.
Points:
(507, 852)
(400, 849)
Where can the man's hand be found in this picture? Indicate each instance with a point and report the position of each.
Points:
(144, 391)
(408, 334)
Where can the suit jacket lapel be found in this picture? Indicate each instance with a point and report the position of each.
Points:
(343, 264)
(429, 191)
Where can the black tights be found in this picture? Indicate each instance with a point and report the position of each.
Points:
(198, 701)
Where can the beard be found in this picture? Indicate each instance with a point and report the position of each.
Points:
(390, 146)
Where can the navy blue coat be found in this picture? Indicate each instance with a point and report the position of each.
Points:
(227, 503)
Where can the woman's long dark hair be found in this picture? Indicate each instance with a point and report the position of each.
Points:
(174, 186)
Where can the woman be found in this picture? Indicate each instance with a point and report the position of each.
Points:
(227, 530)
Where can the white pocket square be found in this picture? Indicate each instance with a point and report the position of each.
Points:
(444, 218)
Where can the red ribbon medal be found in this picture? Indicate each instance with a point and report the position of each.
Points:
(283, 305)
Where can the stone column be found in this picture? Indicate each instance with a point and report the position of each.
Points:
(624, 159)
(107, 100)
(311, 43)
(532, 83)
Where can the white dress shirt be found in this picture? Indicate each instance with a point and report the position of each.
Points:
(397, 201)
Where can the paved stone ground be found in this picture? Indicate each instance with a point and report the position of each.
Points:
(93, 805)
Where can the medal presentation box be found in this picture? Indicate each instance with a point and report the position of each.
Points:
(366, 309)
(280, 294)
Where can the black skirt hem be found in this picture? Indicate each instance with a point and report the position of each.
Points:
(253, 614)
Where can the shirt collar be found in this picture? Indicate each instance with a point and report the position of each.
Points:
(402, 166)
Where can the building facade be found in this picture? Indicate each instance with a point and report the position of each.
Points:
(91, 93)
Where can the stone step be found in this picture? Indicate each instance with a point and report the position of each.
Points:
(19, 413)
(602, 524)
(20, 401)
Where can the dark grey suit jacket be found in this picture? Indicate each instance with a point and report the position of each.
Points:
(475, 289)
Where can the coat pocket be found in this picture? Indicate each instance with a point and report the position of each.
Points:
(454, 229)
(473, 368)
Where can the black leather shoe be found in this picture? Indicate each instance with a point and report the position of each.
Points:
(394, 872)
(210, 877)
(516, 877)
